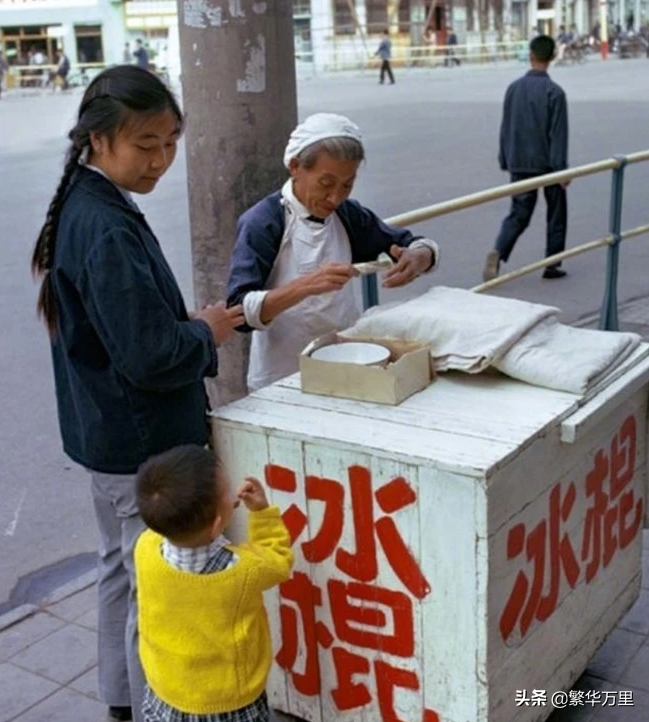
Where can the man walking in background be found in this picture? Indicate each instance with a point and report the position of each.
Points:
(141, 55)
(533, 142)
(385, 53)
(4, 66)
(451, 48)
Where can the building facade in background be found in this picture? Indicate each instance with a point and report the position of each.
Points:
(326, 31)
(90, 31)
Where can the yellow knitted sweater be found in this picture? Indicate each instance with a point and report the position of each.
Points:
(204, 638)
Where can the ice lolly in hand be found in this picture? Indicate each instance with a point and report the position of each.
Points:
(382, 263)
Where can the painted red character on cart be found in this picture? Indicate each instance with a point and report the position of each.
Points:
(364, 616)
(613, 520)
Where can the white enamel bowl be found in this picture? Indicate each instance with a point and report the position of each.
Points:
(364, 354)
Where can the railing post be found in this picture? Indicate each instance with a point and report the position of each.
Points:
(608, 320)
(370, 291)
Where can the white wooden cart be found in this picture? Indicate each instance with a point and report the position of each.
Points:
(456, 555)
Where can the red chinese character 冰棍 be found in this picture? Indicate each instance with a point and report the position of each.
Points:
(363, 626)
(359, 610)
(306, 596)
(360, 625)
(362, 563)
(527, 601)
(352, 694)
(614, 518)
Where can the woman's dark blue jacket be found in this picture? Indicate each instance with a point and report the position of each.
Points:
(128, 363)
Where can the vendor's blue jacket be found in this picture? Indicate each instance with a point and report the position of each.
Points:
(128, 363)
(534, 128)
(259, 235)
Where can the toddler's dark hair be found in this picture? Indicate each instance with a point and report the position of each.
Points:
(109, 101)
(177, 491)
(542, 48)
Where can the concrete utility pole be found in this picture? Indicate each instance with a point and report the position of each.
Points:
(239, 91)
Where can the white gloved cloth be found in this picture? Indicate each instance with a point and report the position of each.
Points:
(319, 127)
(566, 358)
(470, 332)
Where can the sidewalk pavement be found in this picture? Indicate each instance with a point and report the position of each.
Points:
(48, 652)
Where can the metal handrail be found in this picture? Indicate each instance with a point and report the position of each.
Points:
(616, 164)
(498, 192)
(635, 232)
(549, 261)
(638, 157)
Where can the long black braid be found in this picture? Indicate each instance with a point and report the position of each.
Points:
(112, 96)
(43, 256)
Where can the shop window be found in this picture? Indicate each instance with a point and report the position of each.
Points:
(378, 19)
(22, 45)
(343, 18)
(89, 43)
(377, 16)
(301, 7)
(404, 16)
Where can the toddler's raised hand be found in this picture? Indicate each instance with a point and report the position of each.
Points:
(253, 495)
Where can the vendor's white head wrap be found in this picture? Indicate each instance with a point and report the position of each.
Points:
(319, 127)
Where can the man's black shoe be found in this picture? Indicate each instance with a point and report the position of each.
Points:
(551, 273)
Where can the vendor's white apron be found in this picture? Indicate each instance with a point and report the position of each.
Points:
(304, 248)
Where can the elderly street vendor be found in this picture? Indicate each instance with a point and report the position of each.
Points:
(293, 256)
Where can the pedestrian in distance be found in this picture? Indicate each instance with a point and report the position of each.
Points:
(204, 637)
(62, 70)
(451, 58)
(533, 142)
(385, 53)
(4, 67)
(129, 360)
(141, 55)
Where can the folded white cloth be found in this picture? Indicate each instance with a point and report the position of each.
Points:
(566, 358)
(467, 330)
(470, 332)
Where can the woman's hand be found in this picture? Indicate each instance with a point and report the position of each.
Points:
(411, 262)
(330, 277)
(221, 320)
(253, 495)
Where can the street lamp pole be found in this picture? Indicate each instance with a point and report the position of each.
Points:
(603, 32)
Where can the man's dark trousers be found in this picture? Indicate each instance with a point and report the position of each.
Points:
(385, 68)
(520, 215)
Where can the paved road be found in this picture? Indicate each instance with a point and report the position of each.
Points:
(430, 137)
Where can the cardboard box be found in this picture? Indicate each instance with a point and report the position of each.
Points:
(408, 371)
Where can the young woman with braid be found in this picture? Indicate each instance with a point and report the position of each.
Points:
(129, 361)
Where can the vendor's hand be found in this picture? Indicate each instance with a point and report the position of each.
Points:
(221, 320)
(252, 494)
(330, 277)
(411, 262)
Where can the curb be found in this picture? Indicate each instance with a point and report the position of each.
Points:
(70, 588)
(17, 615)
(14, 616)
(593, 318)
